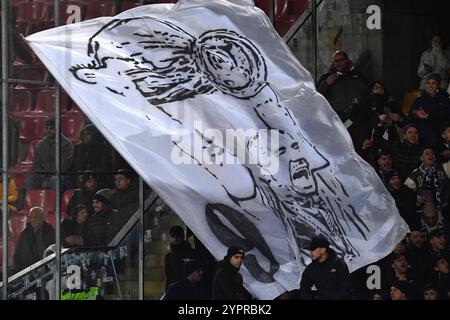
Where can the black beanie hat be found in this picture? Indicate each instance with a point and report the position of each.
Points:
(176, 232)
(190, 266)
(434, 76)
(403, 286)
(103, 196)
(388, 176)
(234, 250)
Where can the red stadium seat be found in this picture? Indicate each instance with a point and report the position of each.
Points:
(16, 224)
(20, 102)
(40, 198)
(287, 12)
(35, 11)
(11, 250)
(30, 72)
(28, 162)
(45, 102)
(71, 126)
(100, 8)
(31, 128)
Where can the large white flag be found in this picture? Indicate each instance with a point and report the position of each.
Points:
(210, 107)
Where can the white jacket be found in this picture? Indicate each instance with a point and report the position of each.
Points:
(439, 61)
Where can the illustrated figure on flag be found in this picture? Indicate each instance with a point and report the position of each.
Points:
(166, 60)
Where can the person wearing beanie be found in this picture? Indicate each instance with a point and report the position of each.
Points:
(189, 288)
(125, 198)
(91, 153)
(180, 250)
(327, 273)
(228, 282)
(401, 290)
(85, 194)
(102, 226)
(430, 111)
(74, 229)
(405, 198)
(405, 154)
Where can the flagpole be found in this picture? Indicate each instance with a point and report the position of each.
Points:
(5, 65)
(314, 37)
(58, 173)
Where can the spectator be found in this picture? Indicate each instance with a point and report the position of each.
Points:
(405, 198)
(430, 111)
(85, 194)
(415, 251)
(406, 154)
(179, 251)
(434, 60)
(376, 295)
(443, 149)
(432, 218)
(102, 226)
(189, 287)
(125, 198)
(430, 177)
(401, 290)
(441, 276)
(44, 161)
(384, 164)
(92, 154)
(327, 272)
(400, 269)
(436, 248)
(431, 292)
(342, 86)
(228, 282)
(74, 229)
(379, 107)
(37, 236)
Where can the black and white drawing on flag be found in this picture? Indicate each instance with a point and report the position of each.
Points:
(154, 71)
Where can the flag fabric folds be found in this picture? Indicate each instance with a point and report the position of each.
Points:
(210, 107)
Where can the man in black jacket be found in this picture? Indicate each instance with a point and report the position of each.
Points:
(180, 250)
(228, 282)
(189, 288)
(342, 86)
(37, 236)
(327, 273)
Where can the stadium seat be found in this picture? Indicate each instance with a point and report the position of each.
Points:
(35, 11)
(11, 250)
(40, 198)
(16, 224)
(31, 128)
(96, 9)
(71, 126)
(45, 102)
(28, 162)
(20, 103)
(287, 12)
(30, 72)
